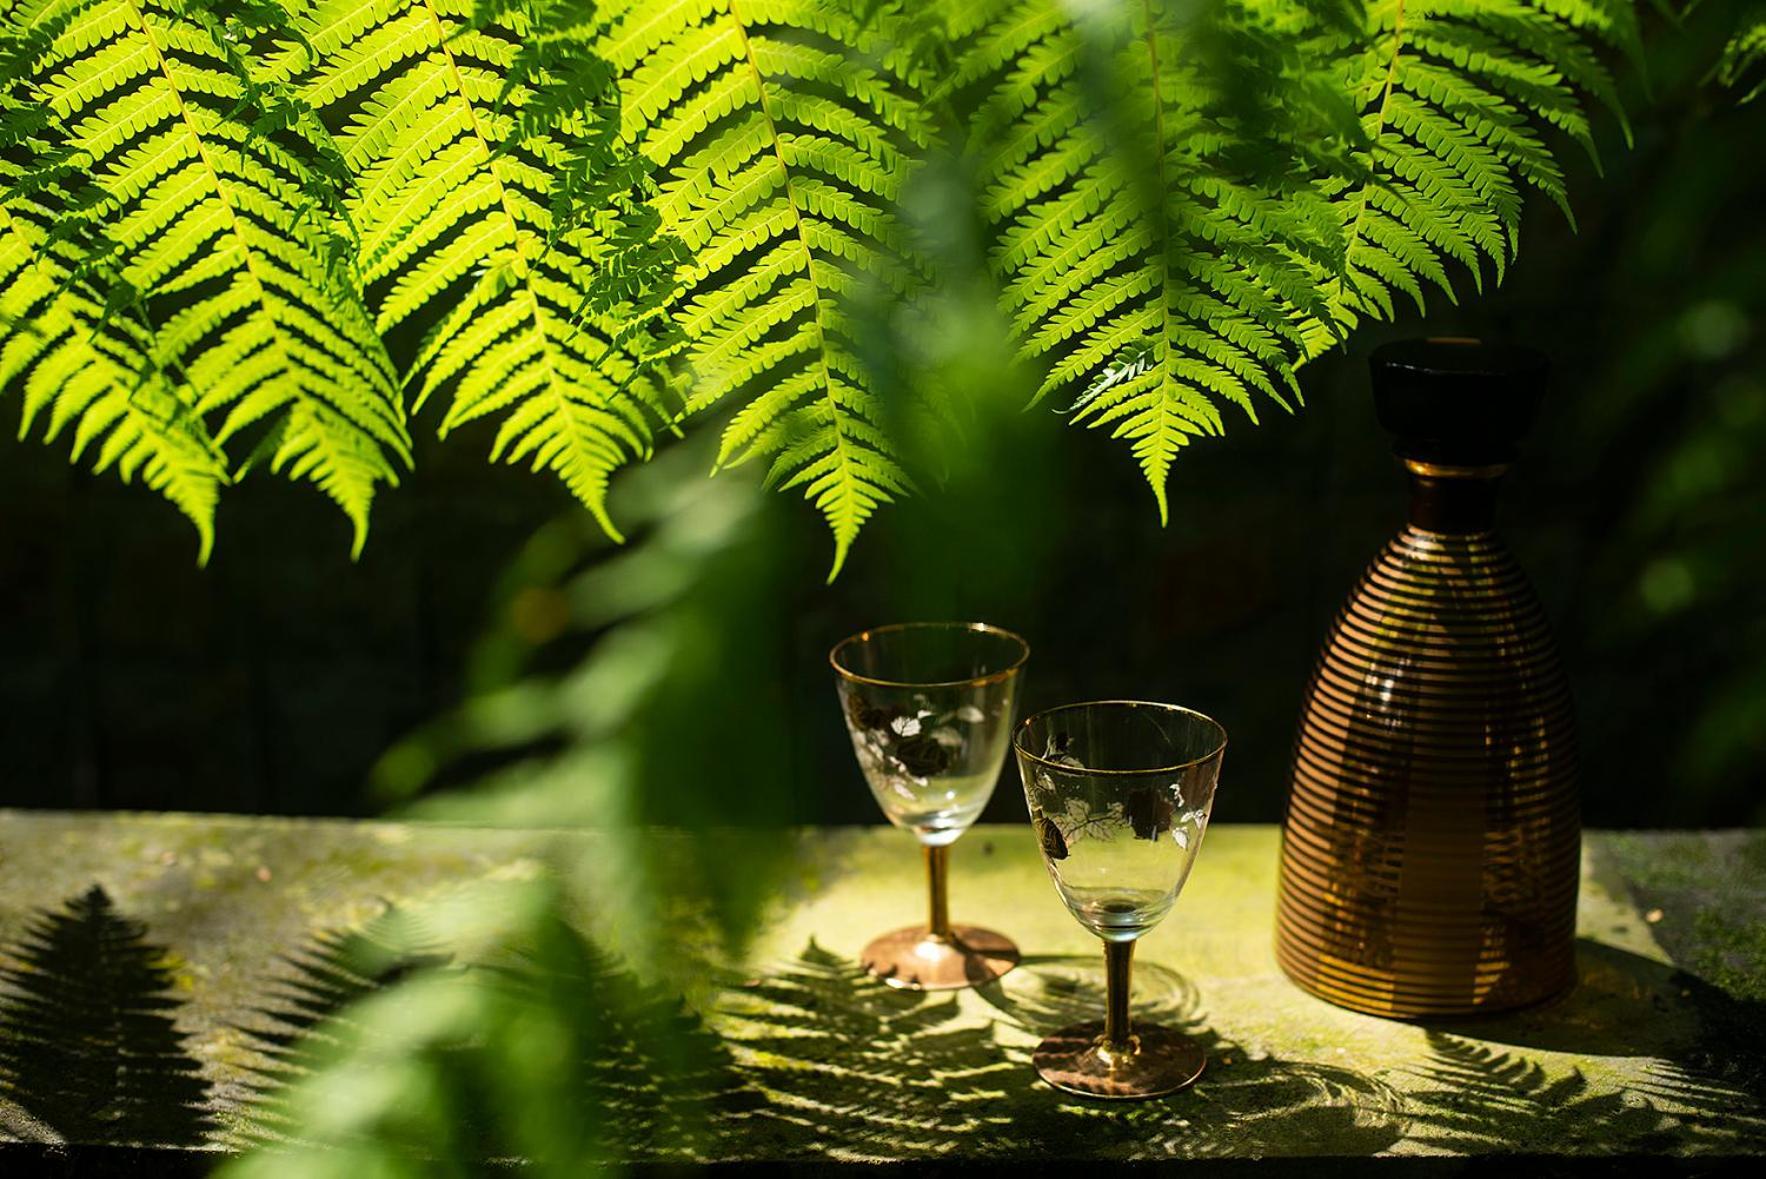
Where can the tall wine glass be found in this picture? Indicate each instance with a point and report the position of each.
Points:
(1119, 792)
(929, 708)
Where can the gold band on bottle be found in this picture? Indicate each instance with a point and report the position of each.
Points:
(1431, 470)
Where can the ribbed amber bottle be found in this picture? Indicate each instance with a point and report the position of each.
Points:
(1431, 845)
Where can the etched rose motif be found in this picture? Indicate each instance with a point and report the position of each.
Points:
(1054, 844)
(921, 755)
(866, 716)
(1149, 811)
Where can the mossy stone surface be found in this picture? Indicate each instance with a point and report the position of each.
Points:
(1661, 1048)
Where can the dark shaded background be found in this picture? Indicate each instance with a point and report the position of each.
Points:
(273, 680)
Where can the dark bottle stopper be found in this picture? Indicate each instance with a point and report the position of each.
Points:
(1456, 401)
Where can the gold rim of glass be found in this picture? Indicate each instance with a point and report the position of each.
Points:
(1024, 727)
(991, 677)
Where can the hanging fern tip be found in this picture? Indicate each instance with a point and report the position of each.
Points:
(599, 511)
(841, 547)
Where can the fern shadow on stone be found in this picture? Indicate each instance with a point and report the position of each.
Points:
(1476, 1096)
(1702, 1050)
(1702, 1100)
(853, 1069)
(646, 1076)
(653, 1079)
(307, 1005)
(90, 1051)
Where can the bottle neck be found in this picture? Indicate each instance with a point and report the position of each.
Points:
(1446, 498)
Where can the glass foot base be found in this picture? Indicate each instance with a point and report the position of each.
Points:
(915, 961)
(1075, 1061)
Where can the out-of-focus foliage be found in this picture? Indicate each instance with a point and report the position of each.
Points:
(1745, 52)
(295, 223)
(672, 713)
(1677, 402)
(619, 687)
(530, 1046)
(300, 1022)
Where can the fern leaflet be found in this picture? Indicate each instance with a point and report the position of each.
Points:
(83, 367)
(1144, 247)
(210, 204)
(489, 183)
(782, 131)
(1454, 97)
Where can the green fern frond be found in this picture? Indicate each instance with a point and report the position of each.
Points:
(1455, 97)
(1193, 200)
(84, 368)
(782, 132)
(586, 225)
(1139, 254)
(218, 222)
(490, 183)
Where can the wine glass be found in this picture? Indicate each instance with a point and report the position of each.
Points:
(1119, 792)
(929, 708)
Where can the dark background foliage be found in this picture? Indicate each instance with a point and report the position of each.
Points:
(274, 679)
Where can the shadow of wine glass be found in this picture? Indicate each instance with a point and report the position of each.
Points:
(1245, 1103)
(1050, 991)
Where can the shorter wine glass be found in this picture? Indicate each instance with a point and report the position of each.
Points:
(1120, 793)
(929, 708)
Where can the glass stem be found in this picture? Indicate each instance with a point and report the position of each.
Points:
(1118, 965)
(937, 874)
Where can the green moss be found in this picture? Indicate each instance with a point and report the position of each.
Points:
(1729, 953)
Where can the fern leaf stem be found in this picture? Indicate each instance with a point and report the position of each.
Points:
(484, 143)
(246, 254)
(1150, 34)
(1373, 145)
(458, 81)
(550, 384)
(809, 259)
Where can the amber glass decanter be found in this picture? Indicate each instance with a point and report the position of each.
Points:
(1430, 852)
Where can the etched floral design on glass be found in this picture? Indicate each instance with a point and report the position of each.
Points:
(929, 708)
(931, 758)
(1119, 795)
